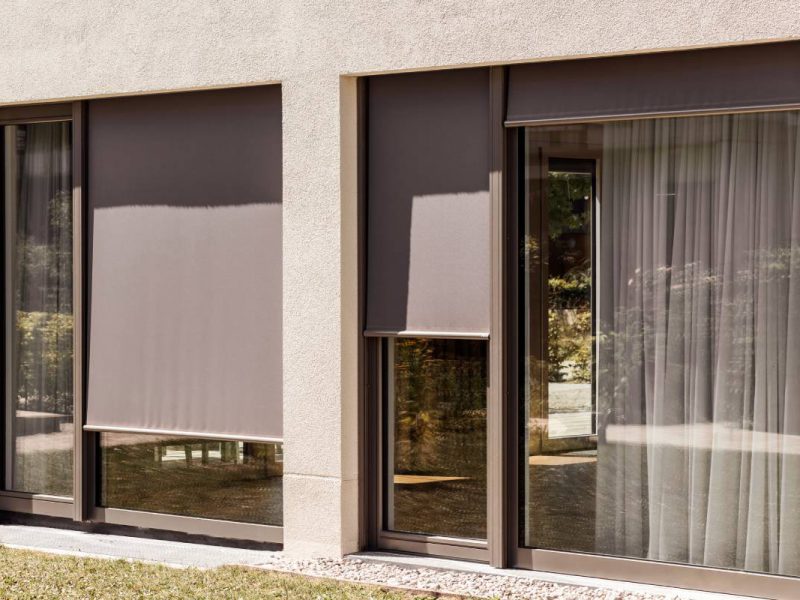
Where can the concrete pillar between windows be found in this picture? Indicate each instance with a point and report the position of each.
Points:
(320, 320)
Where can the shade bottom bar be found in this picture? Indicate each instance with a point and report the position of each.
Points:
(188, 434)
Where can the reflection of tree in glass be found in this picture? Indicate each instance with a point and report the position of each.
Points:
(567, 198)
(569, 338)
(44, 320)
(440, 404)
(569, 348)
(439, 426)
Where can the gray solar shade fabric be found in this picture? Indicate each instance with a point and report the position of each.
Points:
(429, 228)
(715, 80)
(184, 195)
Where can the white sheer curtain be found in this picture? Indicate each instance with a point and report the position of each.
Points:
(698, 373)
(38, 166)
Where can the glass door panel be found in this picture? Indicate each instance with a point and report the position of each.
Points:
(435, 437)
(660, 312)
(39, 434)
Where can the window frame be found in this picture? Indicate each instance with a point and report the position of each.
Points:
(504, 548)
(540, 338)
(192, 525)
(690, 577)
(36, 503)
(419, 543)
(84, 507)
(494, 549)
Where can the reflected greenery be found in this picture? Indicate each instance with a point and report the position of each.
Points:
(233, 481)
(568, 196)
(569, 328)
(439, 437)
(559, 455)
(39, 204)
(44, 368)
(35, 466)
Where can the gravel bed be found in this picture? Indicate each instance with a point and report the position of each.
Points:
(443, 581)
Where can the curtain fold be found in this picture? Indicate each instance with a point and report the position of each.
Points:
(698, 317)
(42, 338)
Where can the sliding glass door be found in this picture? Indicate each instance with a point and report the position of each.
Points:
(39, 427)
(660, 340)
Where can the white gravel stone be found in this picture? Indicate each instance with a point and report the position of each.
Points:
(415, 573)
(441, 581)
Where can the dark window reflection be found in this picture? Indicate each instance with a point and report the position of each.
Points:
(436, 430)
(38, 261)
(233, 481)
(570, 191)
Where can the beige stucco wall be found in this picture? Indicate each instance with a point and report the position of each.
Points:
(57, 49)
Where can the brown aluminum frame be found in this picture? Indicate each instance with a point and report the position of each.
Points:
(494, 549)
(219, 528)
(271, 534)
(691, 577)
(498, 398)
(503, 547)
(366, 455)
(83, 505)
(84, 485)
(46, 504)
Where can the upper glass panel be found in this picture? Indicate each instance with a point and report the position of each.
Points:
(232, 481)
(661, 335)
(436, 437)
(39, 339)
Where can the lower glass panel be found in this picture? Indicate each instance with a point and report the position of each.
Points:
(233, 481)
(435, 430)
(38, 265)
(681, 440)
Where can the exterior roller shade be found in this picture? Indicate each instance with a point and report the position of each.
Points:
(184, 195)
(715, 80)
(428, 201)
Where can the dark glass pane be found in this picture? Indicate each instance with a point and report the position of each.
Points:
(569, 299)
(38, 255)
(436, 446)
(234, 481)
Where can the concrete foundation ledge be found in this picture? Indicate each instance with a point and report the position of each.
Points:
(424, 574)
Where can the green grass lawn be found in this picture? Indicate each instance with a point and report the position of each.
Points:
(25, 575)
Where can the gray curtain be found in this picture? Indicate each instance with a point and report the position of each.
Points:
(698, 369)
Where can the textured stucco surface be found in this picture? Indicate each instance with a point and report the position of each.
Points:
(57, 49)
